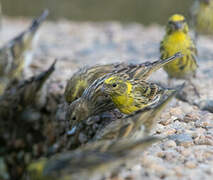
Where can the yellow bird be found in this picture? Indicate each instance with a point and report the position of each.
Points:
(177, 39)
(136, 125)
(17, 53)
(202, 16)
(130, 95)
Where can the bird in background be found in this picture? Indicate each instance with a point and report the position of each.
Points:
(91, 161)
(16, 54)
(1, 14)
(202, 17)
(83, 78)
(26, 93)
(177, 39)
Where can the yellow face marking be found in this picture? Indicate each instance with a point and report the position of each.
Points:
(125, 101)
(129, 87)
(81, 84)
(176, 17)
(37, 167)
(107, 81)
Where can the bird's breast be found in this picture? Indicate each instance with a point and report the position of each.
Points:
(176, 42)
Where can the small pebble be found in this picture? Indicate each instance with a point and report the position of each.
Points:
(165, 122)
(203, 140)
(182, 139)
(190, 117)
(178, 171)
(160, 154)
(176, 112)
(185, 151)
(190, 164)
(207, 105)
(170, 144)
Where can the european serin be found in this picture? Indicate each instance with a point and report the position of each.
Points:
(130, 95)
(13, 54)
(202, 16)
(177, 39)
(136, 125)
(86, 76)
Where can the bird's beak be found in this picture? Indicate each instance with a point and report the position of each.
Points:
(178, 25)
(72, 131)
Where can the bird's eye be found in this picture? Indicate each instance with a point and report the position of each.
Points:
(114, 85)
(74, 118)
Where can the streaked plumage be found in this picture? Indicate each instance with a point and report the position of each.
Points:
(175, 40)
(112, 125)
(94, 101)
(86, 76)
(90, 161)
(97, 98)
(25, 93)
(130, 95)
(13, 54)
(137, 125)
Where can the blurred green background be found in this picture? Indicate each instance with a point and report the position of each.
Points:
(141, 11)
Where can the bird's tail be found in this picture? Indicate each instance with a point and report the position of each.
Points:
(125, 146)
(160, 63)
(144, 70)
(36, 22)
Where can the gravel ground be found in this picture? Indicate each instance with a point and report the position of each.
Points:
(188, 151)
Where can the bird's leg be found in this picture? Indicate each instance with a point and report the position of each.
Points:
(196, 37)
(169, 82)
(194, 88)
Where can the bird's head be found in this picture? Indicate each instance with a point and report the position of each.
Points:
(77, 111)
(176, 23)
(115, 86)
(74, 88)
